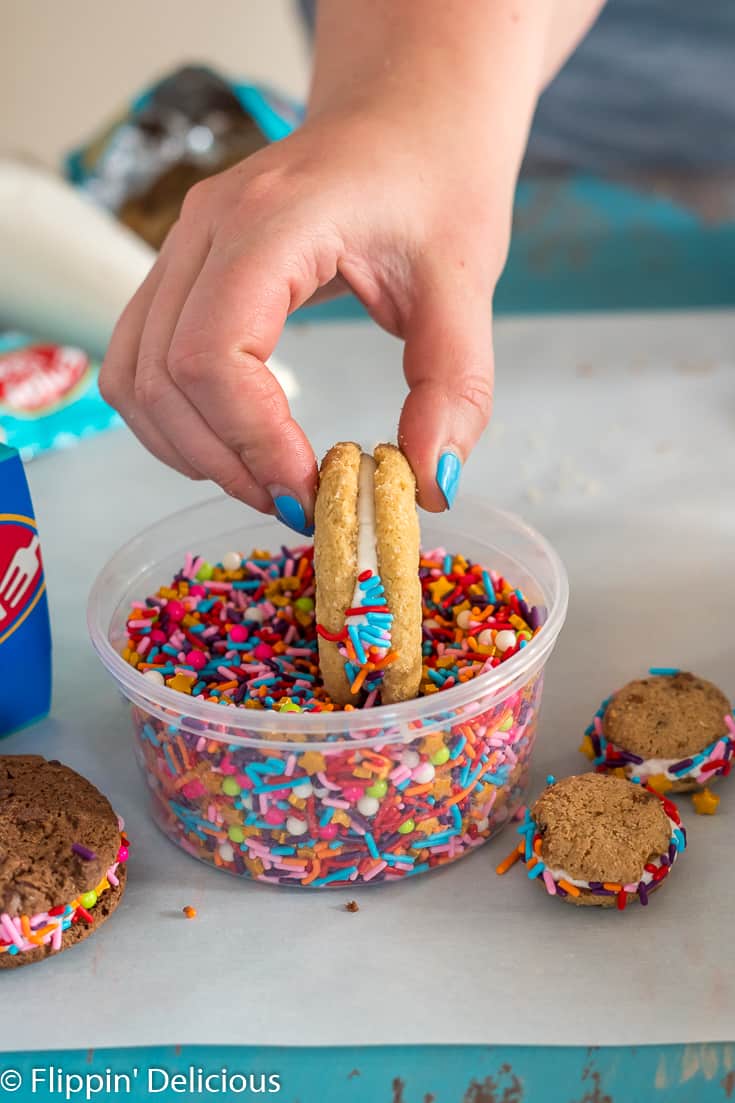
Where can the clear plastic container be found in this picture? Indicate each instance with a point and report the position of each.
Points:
(330, 799)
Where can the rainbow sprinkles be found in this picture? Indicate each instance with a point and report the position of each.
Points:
(23, 933)
(365, 640)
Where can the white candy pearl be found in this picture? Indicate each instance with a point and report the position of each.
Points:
(231, 561)
(226, 852)
(505, 640)
(368, 806)
(254, 614)
(464, 618)
(423, 773)
(485, 638)
(303, 791)
(295, 826)
(154, 676)
(482, 825)
(410, 758)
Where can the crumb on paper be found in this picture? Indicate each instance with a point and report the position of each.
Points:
(352, 906)
(189, 912)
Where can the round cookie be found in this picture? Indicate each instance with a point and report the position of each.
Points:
(366, 565)
(596, 839)
(673, 730)
(62, 854)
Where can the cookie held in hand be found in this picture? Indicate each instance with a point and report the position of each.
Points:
(596, 839)
(366, 563)
(62, 855)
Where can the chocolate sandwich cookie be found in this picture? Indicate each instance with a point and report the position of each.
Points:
(366, 564)
(672, 730)
(62, 855)
(596, 839)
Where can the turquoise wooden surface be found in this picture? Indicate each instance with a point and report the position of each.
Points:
(582, 244)
(408, 1074)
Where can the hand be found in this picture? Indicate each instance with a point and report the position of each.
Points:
(344, 202)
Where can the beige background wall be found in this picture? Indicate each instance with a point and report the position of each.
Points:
(68, 66)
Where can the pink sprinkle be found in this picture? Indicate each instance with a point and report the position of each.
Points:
(290, 765)
(56, 938)
(549, 882)
(238, 633)
(143, 646)
(330, 802)
(401, 773)
(598, 725)
(730, 723)
(326, 782)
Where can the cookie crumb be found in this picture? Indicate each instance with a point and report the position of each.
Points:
(352, 906)
(189, 912)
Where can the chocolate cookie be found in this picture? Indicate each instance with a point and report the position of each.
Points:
(366, 564)
(599, 840)
(61, 849)
(672, 730)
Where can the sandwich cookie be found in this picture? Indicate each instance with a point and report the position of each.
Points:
(62, 859)
(596, 839)
(672, 730)
(366, 565)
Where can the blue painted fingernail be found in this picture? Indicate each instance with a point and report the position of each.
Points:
(448, 471)
(291, 512)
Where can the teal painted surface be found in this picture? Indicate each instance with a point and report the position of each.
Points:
(409, 1074)
(583, 244)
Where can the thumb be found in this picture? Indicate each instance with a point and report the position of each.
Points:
(448, 364)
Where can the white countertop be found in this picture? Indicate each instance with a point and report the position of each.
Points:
(615, 436)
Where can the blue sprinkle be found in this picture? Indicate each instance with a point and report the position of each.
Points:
(357, 644)
(169, 649)
(550, 779)
(664, 671)
(537, 870)
(459, 747)
(447, 568)
(489, 588)
(437, 840)
(339, 875)
(326, 817)
(370, 844)
(418, 869)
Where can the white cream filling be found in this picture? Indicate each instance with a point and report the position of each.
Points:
(646, 877)
(367, 552)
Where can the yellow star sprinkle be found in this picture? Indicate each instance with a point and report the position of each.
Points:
(312, 762)
(586, 747)
(660, 783)
(440, 589)
(705, 803)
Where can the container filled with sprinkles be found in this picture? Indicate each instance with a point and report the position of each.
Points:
(206, 621)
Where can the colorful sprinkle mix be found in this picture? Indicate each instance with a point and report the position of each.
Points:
(247, 635)
(391, 804)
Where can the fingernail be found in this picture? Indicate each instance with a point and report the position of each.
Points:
(448, 471)
(291, 512)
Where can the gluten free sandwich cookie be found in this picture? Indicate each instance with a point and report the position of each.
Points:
(62, 859)
(673, 730)
(596, 839)
(366, 564)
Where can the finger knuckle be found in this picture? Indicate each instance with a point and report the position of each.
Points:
(186, 365)
(150, 384)
(195, 199)
(109, 384)
(477, 391)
